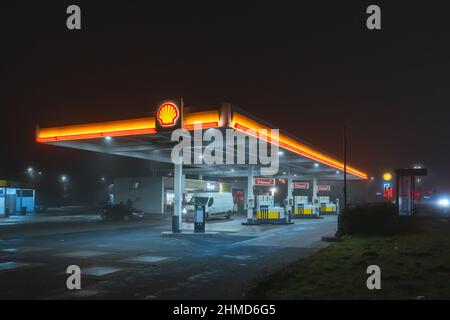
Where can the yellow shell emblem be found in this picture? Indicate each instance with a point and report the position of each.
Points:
(168, 114)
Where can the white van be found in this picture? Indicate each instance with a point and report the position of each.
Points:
(216, 204)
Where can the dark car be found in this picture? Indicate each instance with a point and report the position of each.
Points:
(120, 212)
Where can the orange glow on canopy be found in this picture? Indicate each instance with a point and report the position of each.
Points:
(140, 126)
(208, 119)
(97, 130)
(243, 123)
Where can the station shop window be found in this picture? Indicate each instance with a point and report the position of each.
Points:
(25, 193)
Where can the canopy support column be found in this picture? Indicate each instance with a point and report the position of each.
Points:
(315, 200)
(250, 193)
(178, 198)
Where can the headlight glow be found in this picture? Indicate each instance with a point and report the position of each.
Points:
(443, 202)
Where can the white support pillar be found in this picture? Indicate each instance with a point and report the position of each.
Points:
(21, 201)
(200, 176)
(3, 213)
(289, 197)
(250, 192)
(314, 189)
(178, 198)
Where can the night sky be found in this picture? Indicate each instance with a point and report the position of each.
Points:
(308, 67)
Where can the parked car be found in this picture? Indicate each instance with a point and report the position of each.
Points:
(120, 212)
(217, 204)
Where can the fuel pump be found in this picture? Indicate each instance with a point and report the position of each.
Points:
(328, 207)
(199, 218)
(288, 203)
(267, 212)
(304, 209)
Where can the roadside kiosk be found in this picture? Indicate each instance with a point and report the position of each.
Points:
(16, 198)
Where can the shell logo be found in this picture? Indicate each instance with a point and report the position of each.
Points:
(168, 114)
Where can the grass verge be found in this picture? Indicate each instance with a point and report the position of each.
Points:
(413, 265)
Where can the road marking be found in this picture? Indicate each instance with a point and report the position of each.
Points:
(98, 271)
(14, 266)
(23, 249)
(204, 276)
(82, 254)
(147, 259)
(238, 257)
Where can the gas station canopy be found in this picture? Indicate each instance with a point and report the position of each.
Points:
(142, 138)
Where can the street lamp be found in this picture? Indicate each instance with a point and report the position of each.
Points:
(30, 172)
(64, 180)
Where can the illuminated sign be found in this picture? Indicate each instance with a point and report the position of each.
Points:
(387, 191)
(323, 187)
(168, 114)
(387, 176)
(300, 185)
(264, 182)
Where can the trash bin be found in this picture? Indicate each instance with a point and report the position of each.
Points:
(289, 215)
(175, 224)
(23, 211)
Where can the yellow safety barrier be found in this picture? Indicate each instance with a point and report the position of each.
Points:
(268, 215)
(303, 211)
(327, 209)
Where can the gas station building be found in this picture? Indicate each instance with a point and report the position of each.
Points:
(16, 197)
(301, 166)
